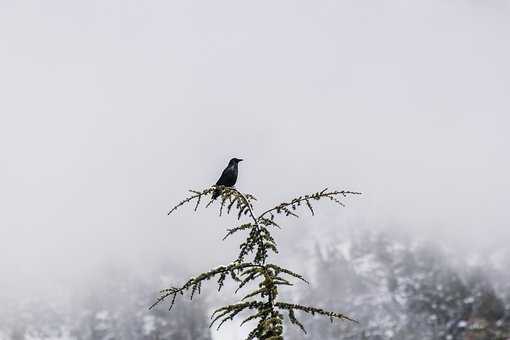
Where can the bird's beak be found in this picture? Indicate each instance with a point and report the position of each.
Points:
(240, 160)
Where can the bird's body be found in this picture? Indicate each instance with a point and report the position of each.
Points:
(228, 177)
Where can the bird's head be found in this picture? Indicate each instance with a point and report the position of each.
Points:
(234, 161)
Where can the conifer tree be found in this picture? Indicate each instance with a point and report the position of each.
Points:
(253, 267)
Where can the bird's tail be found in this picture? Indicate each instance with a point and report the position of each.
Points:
(216, 193)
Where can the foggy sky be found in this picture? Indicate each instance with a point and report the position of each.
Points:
(111, 110)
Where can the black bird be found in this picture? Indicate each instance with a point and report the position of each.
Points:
(228, 177)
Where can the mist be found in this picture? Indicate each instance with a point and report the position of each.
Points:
(112, 110)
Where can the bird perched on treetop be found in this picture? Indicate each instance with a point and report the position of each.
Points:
(228, 177)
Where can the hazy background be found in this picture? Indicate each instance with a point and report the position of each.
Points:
(111, 110)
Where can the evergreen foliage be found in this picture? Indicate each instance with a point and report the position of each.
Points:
(252, 264)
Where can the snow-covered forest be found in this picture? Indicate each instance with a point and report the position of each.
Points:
(404, 289)
(396, 287)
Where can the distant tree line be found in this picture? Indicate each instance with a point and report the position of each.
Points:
(396, 288)
(401, 289)
(114, 310)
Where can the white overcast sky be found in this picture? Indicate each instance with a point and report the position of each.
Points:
(111, 110)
